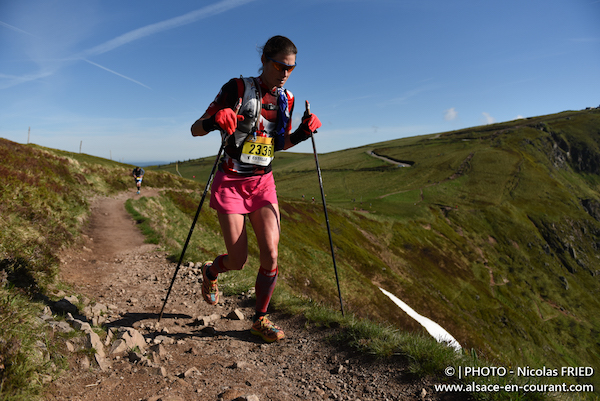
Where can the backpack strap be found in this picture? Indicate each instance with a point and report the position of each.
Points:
(251, 108)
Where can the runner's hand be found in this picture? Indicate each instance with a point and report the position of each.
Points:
(310, 122)
(227, 120)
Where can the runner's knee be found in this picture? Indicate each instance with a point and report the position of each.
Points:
(269, 259)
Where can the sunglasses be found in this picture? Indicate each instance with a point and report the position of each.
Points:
(279, 66)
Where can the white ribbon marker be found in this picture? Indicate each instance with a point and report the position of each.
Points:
(432, 327)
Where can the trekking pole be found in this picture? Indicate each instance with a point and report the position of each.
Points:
(187, 241)
(312, 137)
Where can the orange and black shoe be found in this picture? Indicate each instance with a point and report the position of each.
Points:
(265, 329)
(210, 288)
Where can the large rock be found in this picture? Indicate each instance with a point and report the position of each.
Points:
(205, 320)
(132, 338)
(65, 306)
(119, 347)
(235, 314)
(92, 340)
(103, 363)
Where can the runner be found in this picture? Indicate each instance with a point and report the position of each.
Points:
(244, 184)
(138, 175)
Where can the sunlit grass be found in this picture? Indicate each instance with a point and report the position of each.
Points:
(24, 365)
(492, 232)
(470, 235)
(43, 206)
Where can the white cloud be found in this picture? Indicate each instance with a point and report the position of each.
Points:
(450, 114)
(488, 119)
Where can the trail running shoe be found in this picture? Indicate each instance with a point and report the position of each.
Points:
(264, 328)
(210, 288)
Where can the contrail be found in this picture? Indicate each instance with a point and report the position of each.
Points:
(116, 73)
(14, 28)
(128, 37)
(151, 29)
(13, 80)
(156, 28)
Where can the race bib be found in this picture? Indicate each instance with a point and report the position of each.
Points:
(258, 150)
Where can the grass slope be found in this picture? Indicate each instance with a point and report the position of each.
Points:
(493, 232)
(43, 206)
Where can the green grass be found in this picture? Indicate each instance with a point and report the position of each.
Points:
(23, 363)
(492, 233)
(44, 204)
(143, 224)
(480, 234)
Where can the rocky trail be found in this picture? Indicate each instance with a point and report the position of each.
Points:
(197, 351)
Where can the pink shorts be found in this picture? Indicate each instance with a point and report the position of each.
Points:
(241, 195)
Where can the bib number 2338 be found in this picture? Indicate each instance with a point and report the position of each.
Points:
(258, 150)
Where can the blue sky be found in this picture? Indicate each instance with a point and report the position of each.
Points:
(126, 79)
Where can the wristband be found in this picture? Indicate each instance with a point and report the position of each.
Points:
(209, 124)
(298, 136)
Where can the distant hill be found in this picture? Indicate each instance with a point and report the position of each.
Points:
(150, 163)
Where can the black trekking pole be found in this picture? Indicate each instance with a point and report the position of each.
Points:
(187, 241)
(312, 137)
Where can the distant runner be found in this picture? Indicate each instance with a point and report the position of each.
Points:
(244, 184)
(138, 175)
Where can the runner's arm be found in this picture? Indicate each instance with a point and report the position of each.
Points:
(310, 124)
(227, 98)
(198, 127)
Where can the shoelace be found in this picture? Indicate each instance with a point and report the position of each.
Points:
(267, 324)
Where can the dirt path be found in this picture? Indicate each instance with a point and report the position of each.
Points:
(389, 160)
(219, 360)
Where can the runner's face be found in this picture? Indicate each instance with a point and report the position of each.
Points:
(271, 76)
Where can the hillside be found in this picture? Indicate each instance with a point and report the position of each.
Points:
(74, 308)
(492, 232)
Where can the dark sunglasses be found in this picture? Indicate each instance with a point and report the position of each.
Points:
(279, 66)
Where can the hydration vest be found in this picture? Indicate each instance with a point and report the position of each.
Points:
(250, 109)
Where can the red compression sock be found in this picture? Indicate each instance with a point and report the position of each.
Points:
(265, 285)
